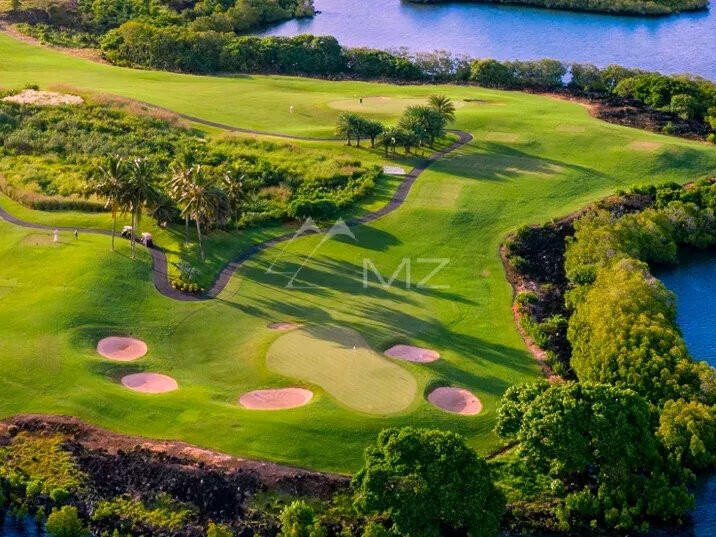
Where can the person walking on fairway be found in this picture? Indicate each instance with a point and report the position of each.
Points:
(77, 234)
(291, 109)
(56, 235)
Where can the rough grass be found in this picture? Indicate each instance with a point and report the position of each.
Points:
(340, 361)
(64, 299)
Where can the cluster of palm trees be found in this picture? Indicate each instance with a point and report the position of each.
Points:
(133, 186)
(419, 125)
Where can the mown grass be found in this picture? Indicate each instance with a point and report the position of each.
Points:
(524, 166)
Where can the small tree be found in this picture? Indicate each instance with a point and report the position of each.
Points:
(688, 432)
(110, 186)
(372, 129)
(684, 106)
(299, 520)
(428, 483)
(348, 126)
(65, 522)
(444, 106)
(425, 122)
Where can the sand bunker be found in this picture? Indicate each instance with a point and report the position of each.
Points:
(455, 400)
(283, 326)
(43, 98)
(276, 399)
(121, 349)
(412, 354)
(149, 383)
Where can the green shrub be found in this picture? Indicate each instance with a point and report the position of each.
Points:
(65, 522)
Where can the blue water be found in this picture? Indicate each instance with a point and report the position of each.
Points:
(20, 527)
(694, 283)
(673, 44)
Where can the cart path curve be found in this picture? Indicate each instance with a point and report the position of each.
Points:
(160, 272)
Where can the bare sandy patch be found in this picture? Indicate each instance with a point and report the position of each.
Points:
(283, 326)
(643, 145)
(566, 127)
(455, 400)
(44, 98)
(121, 349)
(276, 399)
(37, 239)
(149, 383)
(504, 137)
(409, 353)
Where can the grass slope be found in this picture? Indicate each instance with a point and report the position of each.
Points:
(533, 159)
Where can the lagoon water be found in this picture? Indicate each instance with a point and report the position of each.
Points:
(672, 44)
(694, 283)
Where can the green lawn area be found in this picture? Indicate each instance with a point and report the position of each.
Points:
(533, 158)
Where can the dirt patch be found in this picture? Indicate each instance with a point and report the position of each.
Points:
(44, 98)
(455, 400)
(121, 349)
(37, 239)
(149, 383)
(276, 399)
(409, 353)
(504, 137)
(643, 145)
(565, 127)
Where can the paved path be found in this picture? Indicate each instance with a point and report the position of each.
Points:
(160, 270)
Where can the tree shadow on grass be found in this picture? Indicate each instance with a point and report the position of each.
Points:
(491, 161)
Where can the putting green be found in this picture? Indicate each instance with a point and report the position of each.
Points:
(387, 106)
(341, 362)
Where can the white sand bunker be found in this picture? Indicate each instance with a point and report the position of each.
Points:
(149, 383)
(121, 349)
(412, 354)
(283, 326)
(276, 399)
(455, 400)
(43, 98)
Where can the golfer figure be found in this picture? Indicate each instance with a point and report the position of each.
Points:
(56, 236)
(77, 234)
(291, 109)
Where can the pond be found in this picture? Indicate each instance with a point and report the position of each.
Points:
(673, 44)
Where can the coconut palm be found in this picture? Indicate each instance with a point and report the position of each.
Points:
(203, 202)
(179, 182)
(233, 184)
(139, 191)
(444, 105)
(110, 186)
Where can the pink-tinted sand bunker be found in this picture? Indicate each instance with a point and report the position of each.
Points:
(275, 399)
(412, 354)
(121, 349)
(456, 400)
(283, 326)
(150, 383)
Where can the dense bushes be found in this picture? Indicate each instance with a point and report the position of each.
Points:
(634, 7)
(51, 156)
(597, 444)
(428, 483)
(82, 23)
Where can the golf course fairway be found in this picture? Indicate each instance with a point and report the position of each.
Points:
(532, 158)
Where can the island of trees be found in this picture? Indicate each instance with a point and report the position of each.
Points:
(629, 7)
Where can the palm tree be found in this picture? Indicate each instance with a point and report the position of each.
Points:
(110, 186)
(203, 201)
(444, 105)
(179, 183)
(348, 127)
(139, 192)
(235, 192)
